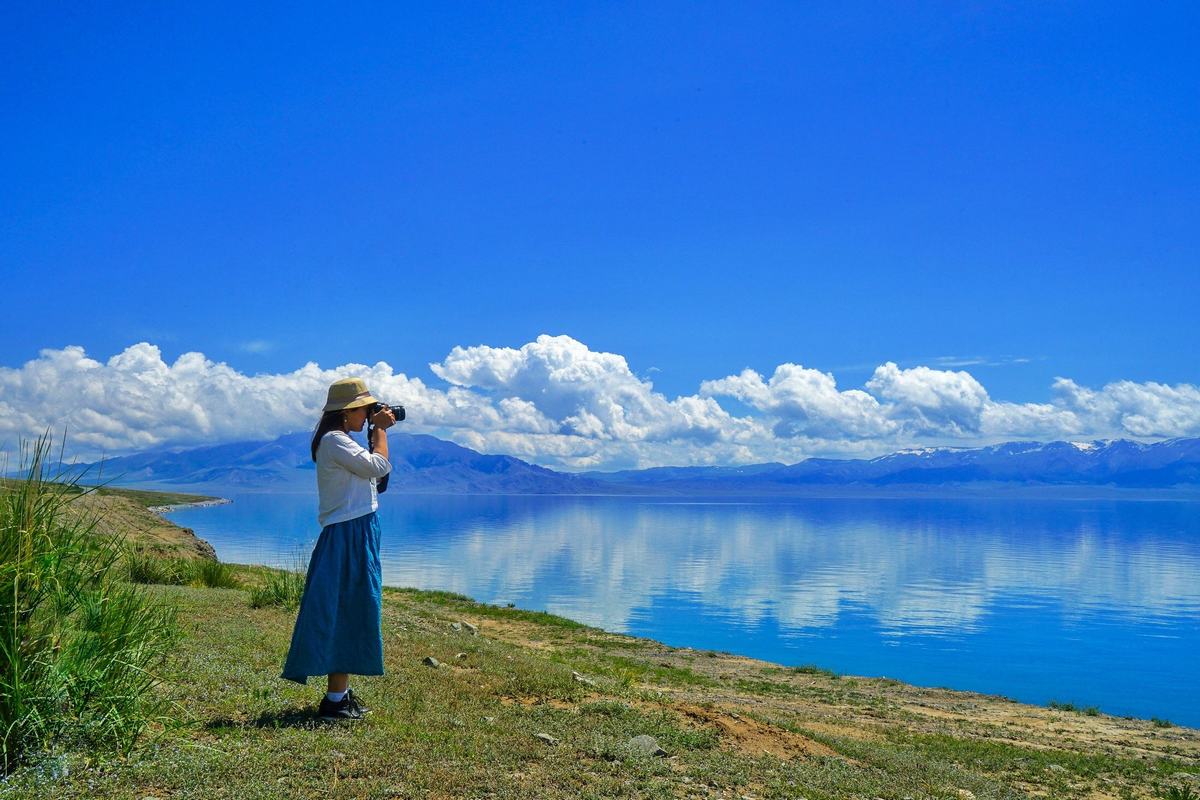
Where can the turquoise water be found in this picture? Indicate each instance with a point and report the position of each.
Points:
(1094, 602)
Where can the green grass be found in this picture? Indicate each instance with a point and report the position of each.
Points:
(1091, 711)
(80, 648)
(1034, 764)
(282, 588)
(1179, 793)
(455, 601)
(214, 574)
(812, 669)
(145, 566)
(467, 729)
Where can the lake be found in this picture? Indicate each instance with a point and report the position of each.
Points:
(1095, 602)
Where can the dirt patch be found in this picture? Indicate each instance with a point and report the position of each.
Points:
(511, 632)
(527, 701)
(753, 737)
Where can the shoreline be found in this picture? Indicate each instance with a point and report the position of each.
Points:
(1069, 702)
(216, 501)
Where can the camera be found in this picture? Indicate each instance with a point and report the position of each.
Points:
(375, 408)
(381, 484)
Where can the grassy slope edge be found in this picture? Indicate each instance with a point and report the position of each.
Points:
(129, 511)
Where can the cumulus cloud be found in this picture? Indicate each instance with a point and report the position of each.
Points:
(1141, 409)
(931, 401)
(556, 402)
(806, 402)
(591, 395)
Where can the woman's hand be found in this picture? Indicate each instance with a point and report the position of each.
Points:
(383, 419)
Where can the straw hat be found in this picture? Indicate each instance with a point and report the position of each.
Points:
(348, 393)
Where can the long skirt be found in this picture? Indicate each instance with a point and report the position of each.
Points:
(338, 627)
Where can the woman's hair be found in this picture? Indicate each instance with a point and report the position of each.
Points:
(330, 421)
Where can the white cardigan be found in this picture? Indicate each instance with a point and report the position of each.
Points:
(346, 475)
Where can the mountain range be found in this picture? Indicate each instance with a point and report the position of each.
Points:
(426, 464)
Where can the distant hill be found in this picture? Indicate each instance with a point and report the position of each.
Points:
(420, 463)
(426, 464)
(1116, 463)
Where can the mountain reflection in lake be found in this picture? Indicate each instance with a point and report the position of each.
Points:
(1094, 602)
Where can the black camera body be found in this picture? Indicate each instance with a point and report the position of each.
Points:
(398, 412)
(375, 408)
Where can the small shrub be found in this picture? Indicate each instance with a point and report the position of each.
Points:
(1092, 711)
(1180, 793)
(1161, 723)
(607, 708)
(813, 669)
(215, 574)
(1059, 706)
(282, 588)
(145, 567)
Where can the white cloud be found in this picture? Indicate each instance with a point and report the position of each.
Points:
(1139, 409)
(931, 401)
(591, 395)
(556, 402)
(806, 402)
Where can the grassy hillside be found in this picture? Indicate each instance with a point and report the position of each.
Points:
(128, 512)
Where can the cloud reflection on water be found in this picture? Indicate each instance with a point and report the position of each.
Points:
(936, 569)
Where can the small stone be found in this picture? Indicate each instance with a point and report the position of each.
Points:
(471, 629)
(456, 626)
(489, 720)
(1057, 768)
(581, 679)
(547, 738)
(646, 745)
(430, 661)
(1186, 776)
(460, 655)
(966, 794)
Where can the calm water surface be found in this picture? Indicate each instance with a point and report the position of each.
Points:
(1095, 602)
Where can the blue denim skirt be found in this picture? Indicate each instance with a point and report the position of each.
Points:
(339, 624)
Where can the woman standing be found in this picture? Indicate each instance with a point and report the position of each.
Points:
(338, 627)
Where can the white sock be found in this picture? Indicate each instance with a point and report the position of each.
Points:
(336, 697)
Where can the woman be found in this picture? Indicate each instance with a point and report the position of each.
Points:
(338, 626)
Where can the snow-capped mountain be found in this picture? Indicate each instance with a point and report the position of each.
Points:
(427, 464)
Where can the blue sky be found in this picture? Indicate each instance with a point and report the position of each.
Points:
(1011, 189)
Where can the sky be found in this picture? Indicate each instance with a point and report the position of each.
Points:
(604, 235)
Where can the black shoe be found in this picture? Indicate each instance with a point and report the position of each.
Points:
(355, 702)
(341, 710)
